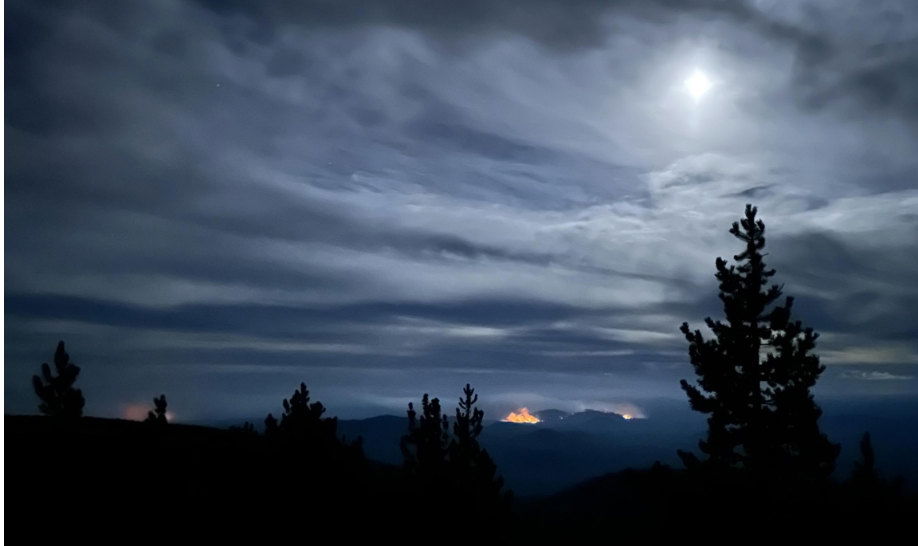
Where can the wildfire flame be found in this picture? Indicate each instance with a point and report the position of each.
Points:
(521, 416)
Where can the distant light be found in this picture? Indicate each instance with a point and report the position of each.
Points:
(136, 411)
(627, 410)
(521, 416)
(697, 84)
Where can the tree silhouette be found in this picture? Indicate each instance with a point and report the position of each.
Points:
(865, 469)
(318, 476)
(299, 413)
(270, 424)
(472, 467)
(158, 415)
(452, 472)
(303, 421)
(302, 428)
(426, 445)
(467, 427)
(58, 397)
(762, 416)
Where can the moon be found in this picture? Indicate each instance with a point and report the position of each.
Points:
(697, 84)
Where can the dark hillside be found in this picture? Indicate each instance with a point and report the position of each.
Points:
(117, 475)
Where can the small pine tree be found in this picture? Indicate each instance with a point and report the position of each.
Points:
(865, 469)
(58, 397)
(158, 415)
(298, 412)
(270, 424)
(472, 467)
(873, 495)
(302, 428)
(303, 420)
(426, 445)
(452, 471)
(308, 455)
(762, 416)
(468, 425)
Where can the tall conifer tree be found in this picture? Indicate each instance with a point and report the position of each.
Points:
(472, 466)
(755, 376)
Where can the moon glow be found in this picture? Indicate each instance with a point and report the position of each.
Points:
(697, 84)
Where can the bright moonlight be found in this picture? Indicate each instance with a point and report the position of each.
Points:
(697, 84)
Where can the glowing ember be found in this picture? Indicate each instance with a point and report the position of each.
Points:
(521, 416)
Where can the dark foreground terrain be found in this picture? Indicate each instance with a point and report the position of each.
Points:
(114, 480)
(127, 479)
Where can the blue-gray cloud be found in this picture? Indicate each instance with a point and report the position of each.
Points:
(208, 197)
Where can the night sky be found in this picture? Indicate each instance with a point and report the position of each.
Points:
(219, 200)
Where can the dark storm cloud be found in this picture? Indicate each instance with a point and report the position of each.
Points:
(219, 198)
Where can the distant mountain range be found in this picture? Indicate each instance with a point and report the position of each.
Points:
(563, 449)
(567, 448)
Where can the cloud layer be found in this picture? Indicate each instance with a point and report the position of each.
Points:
(218, 200)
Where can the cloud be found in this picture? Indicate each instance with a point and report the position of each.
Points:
(880, 353)
(565, 26)
(875, 376)
(449, 186)
(866, 65)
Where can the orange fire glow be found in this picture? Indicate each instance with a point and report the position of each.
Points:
(137, 411)
(521, 416)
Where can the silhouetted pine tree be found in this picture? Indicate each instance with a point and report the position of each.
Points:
(762, 416)
(303, 427)
(270, 424)
(873, 496)
(452, 473)
(865, 470)
(426, 445)
(304, 420)
(158, 415)
(58, 397)
(466, 428)
(473, 470)
(321, 476)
